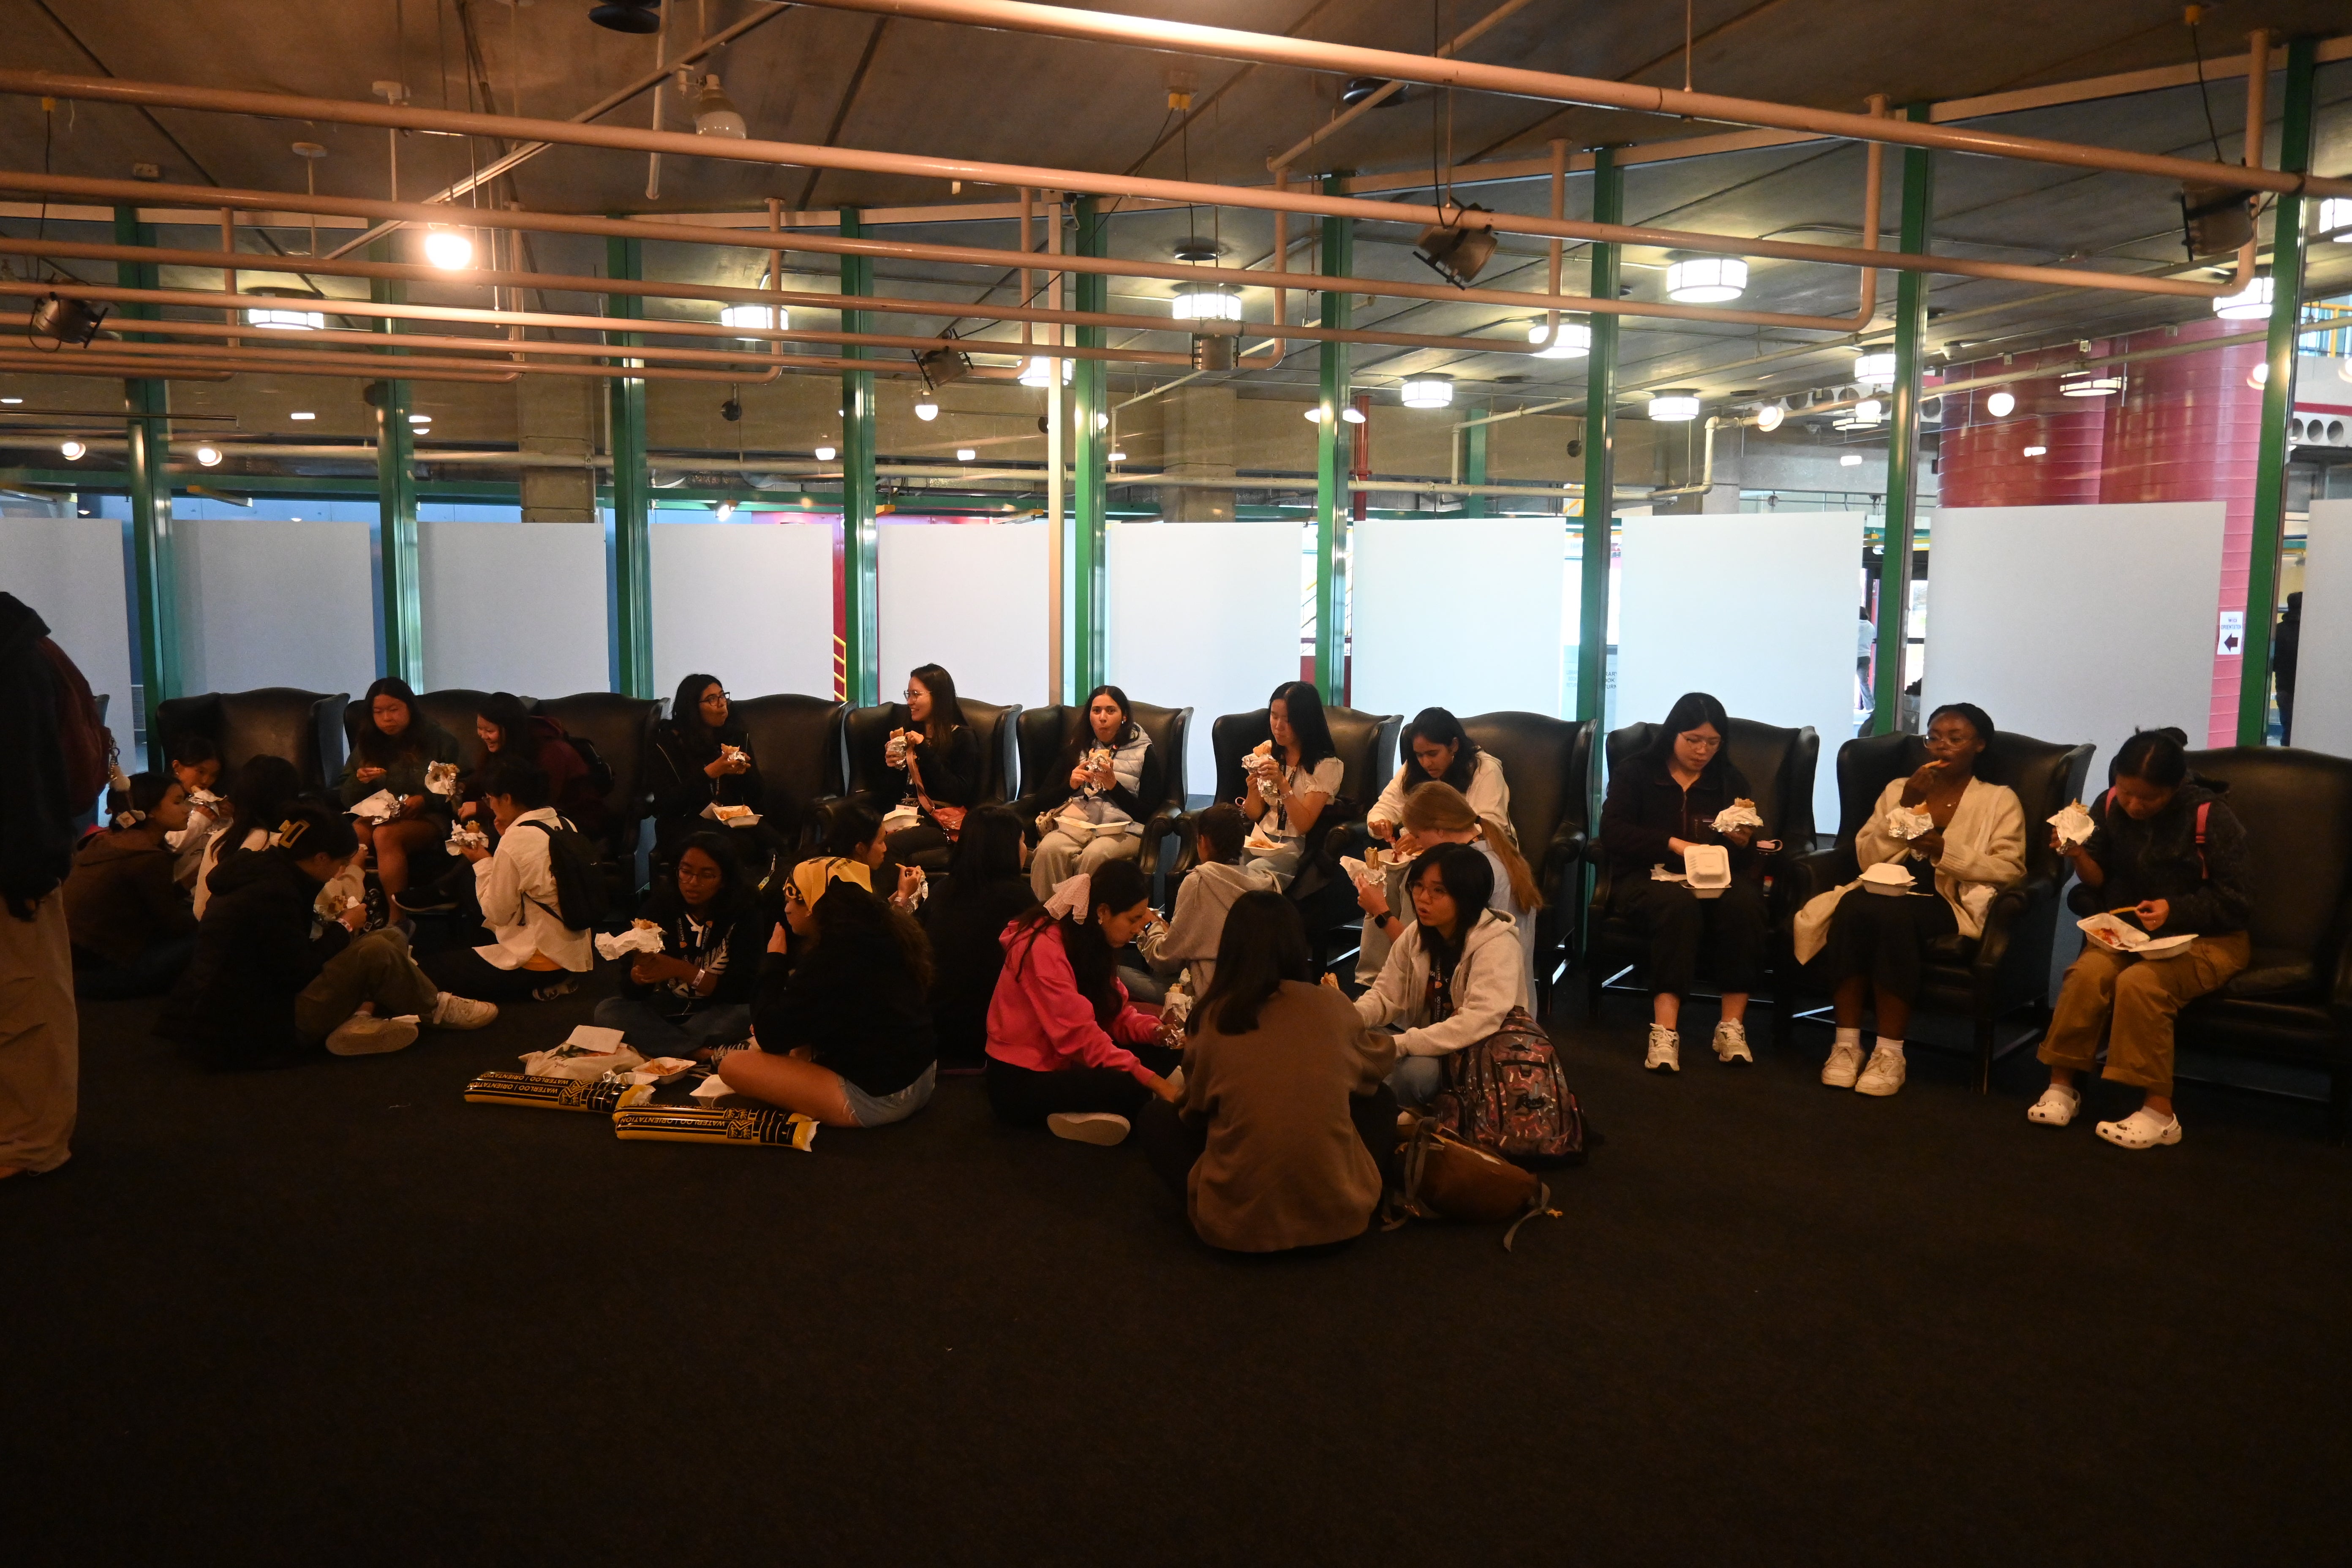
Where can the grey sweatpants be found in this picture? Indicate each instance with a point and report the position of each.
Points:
(40, 1037)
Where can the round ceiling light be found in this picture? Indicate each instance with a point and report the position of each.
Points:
(74, 451)
(2248, 304)
(825, 454)
(1205, 302)
(1875, 369)
(1426, 392)
(448, 249)
(1769, 417)
(715, 113)
(1575, 339)
(208, 455)
(1040, 369)
(1674, 406)
(2094, 384)
(1706, 279)
(927, 408)
(2000, 403)
(756, 317)
(286, 320)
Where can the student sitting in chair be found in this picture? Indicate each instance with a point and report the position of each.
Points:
(132, 928)
(702, 763)
(1106, 782)
(1291, 783)
(696, 991)
(394, 748)
(939, 755)
(534, 951)
(1453, 974)
(1440, 750)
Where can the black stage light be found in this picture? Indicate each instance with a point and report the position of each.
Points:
(627, 16)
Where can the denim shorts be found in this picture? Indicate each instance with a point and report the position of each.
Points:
(880, 1111)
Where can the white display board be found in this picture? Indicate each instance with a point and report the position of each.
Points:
(971, 597)
(513, 606)
(750, 603)
(1203, 616)
(2323, 671)
(269, 602)
(70, 571)
(2076, 622)
(1457, 613)
(1758, 608)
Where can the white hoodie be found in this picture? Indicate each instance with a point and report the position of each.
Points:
(1189, 942)
(1488, 981)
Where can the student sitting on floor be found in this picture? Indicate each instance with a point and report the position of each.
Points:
(1291, 783)
(533, 953)
(1065, 1048)
(396, 744)
(133, 929)
(985, 891)
(1453, 974)
(939, 754)
(701, 758)
(270, 984)
(1107, 777)
(2167, 848)
(1437, 813)
(854, 833)
(1286, 1129)
(843, 1032)
(196, 768)
(1188, 944)
(696, 991)
(1440, 750)
(263, 791)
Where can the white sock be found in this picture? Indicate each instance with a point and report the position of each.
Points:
(1846, 1037)
(1891, 1048)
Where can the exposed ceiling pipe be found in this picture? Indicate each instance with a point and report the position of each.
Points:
(1014, 175)
(1267, 48)
(409, 365)
(31, 362)
(1280, 163)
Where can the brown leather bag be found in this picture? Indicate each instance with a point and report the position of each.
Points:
(1442, 1177)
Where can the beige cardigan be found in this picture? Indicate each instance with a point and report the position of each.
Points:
(1984, 851)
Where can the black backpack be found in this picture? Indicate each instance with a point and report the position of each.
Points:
(600, 771)
(579, 890)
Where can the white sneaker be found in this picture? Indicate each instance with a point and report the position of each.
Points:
(1844, 1065)
(363, 1034)
(1098, 1126)
(1665, 1051)
(2055, 1108)
(451, 1011)
(2143, 1129)
(1882, 1075)
(1731, 1043)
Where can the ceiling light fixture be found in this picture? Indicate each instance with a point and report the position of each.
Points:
(1116, 456)
(2260, 375)
(1850, 460)
(2035, 451)
(756, 317)
(1769, 417)
(1351, 414)
(1040, 368)
(209, 457)
(927, 408)
(627, 16)
(2000, 403)
(301, 413)
(64, 320)
(11, 400)
(1575, 339)
(1426, 392)
(966, 455)
(723, 510)
(1455, 253)
(2335, 212)
(74, 451)
(2248, 304)
(1204, 302)
(826, 454)
(448, 249)
(1869, 411)
(715, 113)
(1875, 369)
(2092, 385)
(286, 320)
(420, 419)
(1674, 406)
(1706, 279)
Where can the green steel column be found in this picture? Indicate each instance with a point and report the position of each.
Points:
(2278, 399)
(1473, 463)
(633, 573)
(395, 487)
(862, 629)
(1332, 454)
(150, 493)
(1090, 458)
(1902, 439)
(1599, 452)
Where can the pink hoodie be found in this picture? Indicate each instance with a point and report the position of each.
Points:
(1038, 1019)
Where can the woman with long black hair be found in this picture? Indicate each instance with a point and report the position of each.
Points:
(1441, 750)
(396, 744)
(1660, 804)
(1107, 781)
(260, 796)
(939, 755)
(986, 890)
(695, 992)
(701, 759)
(1293, 778)
(1065, 1048)
(1453, 976)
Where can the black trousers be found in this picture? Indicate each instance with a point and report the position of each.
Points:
(1729, 930)
(1172, 1141)
(462, 972)
(1884, 939)
(1024, 1098)
(924, 844)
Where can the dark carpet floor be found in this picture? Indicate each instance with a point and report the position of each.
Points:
(336, 1314)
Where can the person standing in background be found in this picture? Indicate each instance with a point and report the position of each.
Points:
(2286, 644)
(53, 758)
(1865, 649)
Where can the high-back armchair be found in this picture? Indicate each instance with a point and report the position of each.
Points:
(1365, 743)
(1548, 763)
(453, 708)
(2293, 1002)
(1778, 765)
(993, 724)
(621, 730)
(303, 727)
(797, 742)
(1043, 731)
(2009, 966)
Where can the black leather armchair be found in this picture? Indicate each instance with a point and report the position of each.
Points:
(1548, 763)
(455, 709)
(1984, 979)
(867, 731)
(1778, 765)
(303, 727)
(796, 740)
(1043, 731)
(2293, 1003)
(621, 730)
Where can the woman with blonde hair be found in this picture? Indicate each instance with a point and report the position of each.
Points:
(1434, 814)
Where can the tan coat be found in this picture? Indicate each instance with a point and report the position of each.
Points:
(1284, 1166)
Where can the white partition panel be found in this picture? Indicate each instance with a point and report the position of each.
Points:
(1760, 609)
(2323, 685)
(514, 607)
(268, 603)
(1457, 613)
(1204, 616)
(2076, 622)
(69, 570)
(750, 603)
(971, 597)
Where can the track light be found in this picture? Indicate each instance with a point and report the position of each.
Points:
(2214, 219)
(1706, 279)
(65, 321)
(1426, 392)
(2001, 404)
(715, 113)
(1456, 254)
(209, 457)
(74, 451)
(627, 16)
(1574, 341)
(826, 454)
(448, 249)
(942, 366)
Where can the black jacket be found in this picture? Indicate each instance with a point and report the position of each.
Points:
(731, 943)
(2159, 859)
(681, 789)
(852, 999)
(234, 1007)
(966, 958)
(952, 773)
(36, 837)
(1645, 808)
